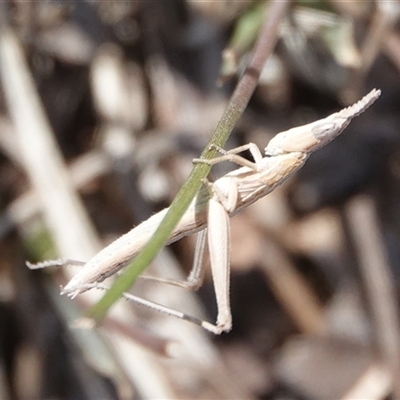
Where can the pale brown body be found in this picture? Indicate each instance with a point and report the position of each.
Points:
(212, 207)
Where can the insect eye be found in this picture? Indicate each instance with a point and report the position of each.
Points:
(319, 131)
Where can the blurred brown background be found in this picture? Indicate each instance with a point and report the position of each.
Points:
(103, 106)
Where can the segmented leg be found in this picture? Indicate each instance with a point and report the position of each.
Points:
(232, 156)
(60, 262)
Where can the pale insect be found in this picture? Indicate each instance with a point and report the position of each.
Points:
(210, 210)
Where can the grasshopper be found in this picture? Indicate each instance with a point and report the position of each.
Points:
(210, 210)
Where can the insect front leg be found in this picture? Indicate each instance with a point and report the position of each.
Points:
(252, 147)
(232, 156)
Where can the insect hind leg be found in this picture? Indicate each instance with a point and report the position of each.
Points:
(163, 309)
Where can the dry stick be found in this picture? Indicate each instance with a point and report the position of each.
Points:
(237, 104)
(64, 213)
(82, 171)
(292, 290)
(374, 384)
(385, 16)
(364, 226)
(392, 47)
(8, 143)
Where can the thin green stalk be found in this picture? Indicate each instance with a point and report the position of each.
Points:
(237, 104)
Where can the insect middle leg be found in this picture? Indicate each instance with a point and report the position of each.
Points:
(193, 281)
(196, 275)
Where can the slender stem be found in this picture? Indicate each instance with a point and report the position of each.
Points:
(237, 104)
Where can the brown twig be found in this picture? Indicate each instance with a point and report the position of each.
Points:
(375, 268)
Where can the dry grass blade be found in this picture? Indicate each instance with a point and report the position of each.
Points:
(376, 271)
